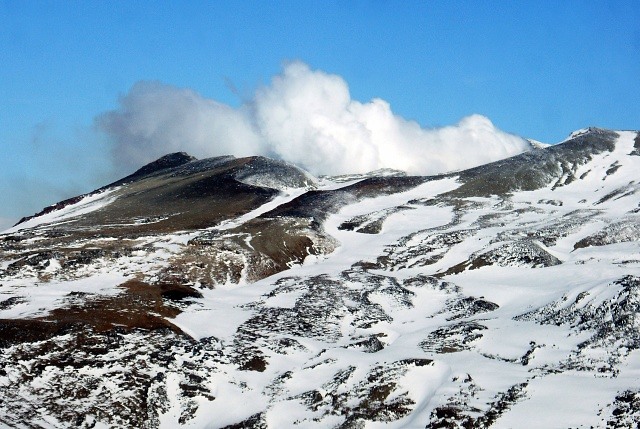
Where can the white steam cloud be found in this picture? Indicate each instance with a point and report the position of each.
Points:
(304, 116)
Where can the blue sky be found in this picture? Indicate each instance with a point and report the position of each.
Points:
(537, 69)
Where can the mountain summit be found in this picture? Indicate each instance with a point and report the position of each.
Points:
(245, 293)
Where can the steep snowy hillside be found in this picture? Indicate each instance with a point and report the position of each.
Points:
(244, 293)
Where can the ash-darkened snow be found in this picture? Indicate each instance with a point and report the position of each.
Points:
(245, 293)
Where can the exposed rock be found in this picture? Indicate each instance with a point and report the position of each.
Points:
(244, 293)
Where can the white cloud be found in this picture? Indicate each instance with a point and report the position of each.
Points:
(304, 116)
(155, 119)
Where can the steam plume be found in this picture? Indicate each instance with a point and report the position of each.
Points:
(304, 116)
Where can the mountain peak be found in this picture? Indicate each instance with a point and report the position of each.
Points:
(588, 130)
(459, 300)
(171, 160)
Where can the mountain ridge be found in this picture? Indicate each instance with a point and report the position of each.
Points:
(178, 159)
(242, 292)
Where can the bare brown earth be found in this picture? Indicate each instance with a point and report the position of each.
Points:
(139, 306)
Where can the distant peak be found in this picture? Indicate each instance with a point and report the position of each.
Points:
(538, 145)
(168, 161)
(588, 130)
(171, 160)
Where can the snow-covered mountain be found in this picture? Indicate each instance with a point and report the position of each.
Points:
(245, 293)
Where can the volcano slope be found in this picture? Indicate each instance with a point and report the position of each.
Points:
(244, 293)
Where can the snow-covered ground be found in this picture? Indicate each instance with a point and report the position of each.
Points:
(508, 311)
(86, 205)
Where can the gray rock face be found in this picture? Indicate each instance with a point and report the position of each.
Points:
(537, 168)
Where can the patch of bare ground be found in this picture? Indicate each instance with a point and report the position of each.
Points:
(636, 146)
(252, 251)
(140, 306)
